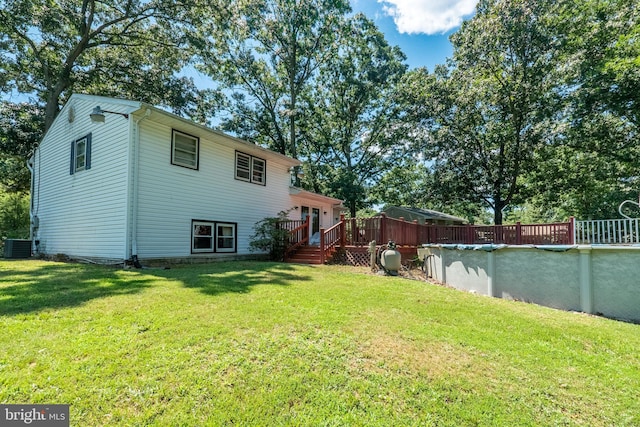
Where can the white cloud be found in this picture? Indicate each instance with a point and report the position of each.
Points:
(428, 16)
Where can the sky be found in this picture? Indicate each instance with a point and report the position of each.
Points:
(420, 27)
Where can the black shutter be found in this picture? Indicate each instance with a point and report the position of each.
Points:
(88, 153)
(72, 164)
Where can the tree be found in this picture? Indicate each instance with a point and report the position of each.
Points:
(20, 129)
(349, 125)
(265, 55)
(122, 47)
(487, 114)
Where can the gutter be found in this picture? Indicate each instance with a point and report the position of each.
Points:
(134, 189)
(32, 221)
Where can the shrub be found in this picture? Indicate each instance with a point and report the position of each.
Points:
(269, 237)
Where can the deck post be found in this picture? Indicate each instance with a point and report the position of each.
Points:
(383, 228)
(572, 230)
(343, 232)
(518, 233)
(322, 254)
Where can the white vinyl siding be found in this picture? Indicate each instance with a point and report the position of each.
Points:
(83, 214)
(170, 197)
(184, 150)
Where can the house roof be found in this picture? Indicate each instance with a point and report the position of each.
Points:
(139, 109)
(424, 214)
(295, 191)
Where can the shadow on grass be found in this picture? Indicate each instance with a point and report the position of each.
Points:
(235, 277)
(54, 286)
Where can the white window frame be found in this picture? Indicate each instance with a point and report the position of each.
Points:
(233, 237)
(250, 168)
(175, 160)
(243, 172)
(77, 154)
(195, 224)
(215, 236)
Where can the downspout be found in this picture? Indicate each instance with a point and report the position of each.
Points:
(32, 225)
(134, 190)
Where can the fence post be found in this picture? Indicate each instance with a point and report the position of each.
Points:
(383, 228)
(468, 234)
(572, 230)
(518, 233)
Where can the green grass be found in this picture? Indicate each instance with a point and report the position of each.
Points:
(275, 344)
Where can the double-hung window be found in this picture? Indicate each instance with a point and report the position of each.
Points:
(185, 150)
(80, 154)
(250, 168)
(213, 236)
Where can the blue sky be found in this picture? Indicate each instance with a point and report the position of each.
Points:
(420, 27)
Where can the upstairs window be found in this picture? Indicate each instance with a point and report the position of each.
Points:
(185, 150)
(80, 154)
(250, 169)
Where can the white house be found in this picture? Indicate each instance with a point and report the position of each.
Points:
(141, 183)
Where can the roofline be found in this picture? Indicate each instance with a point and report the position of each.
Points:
(141, 107)
(296, 191)
(442, 215)
(285, 159)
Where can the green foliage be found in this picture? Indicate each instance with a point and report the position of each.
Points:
(266, 53)
(269, 237)
(133, 49)
(14, 216)
(350, 122)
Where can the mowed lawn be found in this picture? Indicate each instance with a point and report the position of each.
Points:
(265, 344)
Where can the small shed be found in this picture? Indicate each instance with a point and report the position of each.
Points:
(423, 216)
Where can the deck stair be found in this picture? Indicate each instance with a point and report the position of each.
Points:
(306, 255)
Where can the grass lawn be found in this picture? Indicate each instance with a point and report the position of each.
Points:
(256, 343)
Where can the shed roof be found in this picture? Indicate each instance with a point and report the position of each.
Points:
(410, 214)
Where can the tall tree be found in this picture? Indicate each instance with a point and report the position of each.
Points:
(20, 129)
(265, 54)
(349, 125)
(124, 47)
(487, 113)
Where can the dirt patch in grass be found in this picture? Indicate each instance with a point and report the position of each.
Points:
(434, 359)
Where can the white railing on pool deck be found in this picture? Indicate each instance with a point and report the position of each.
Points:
(608, 231)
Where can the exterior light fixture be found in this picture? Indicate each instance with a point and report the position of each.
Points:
(97, 115)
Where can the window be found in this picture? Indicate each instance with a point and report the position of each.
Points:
(226, 238)
(184, 150)
(203, 237)
(80, 154)
(250, 169)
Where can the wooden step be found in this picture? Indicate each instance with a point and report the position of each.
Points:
(306, 255)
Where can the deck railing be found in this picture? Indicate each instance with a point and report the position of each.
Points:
(330, 239)
(298, 234)
(611, 231)
(360, 231)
